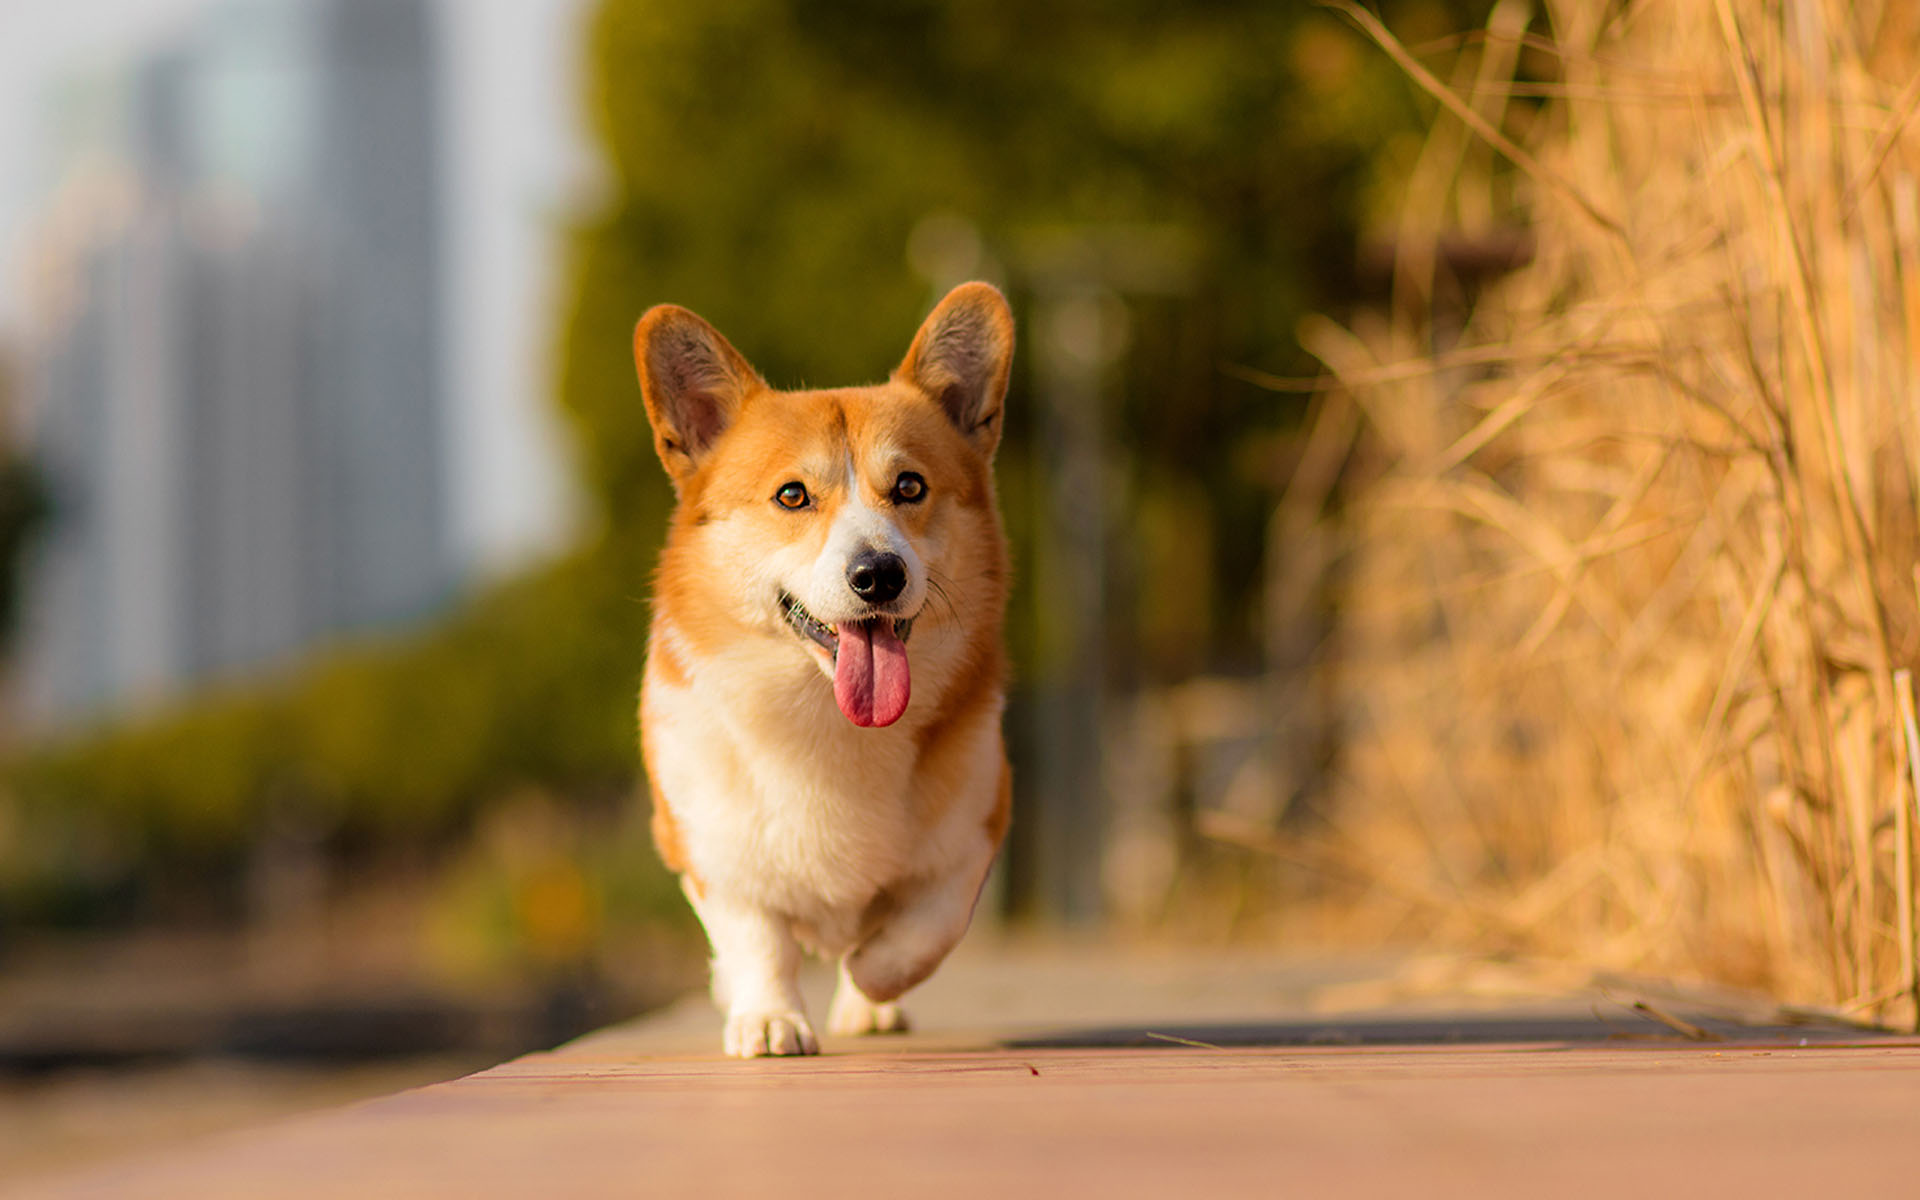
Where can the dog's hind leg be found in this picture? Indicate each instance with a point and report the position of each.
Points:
(756, 962)
(853, 1014)
(918, 934)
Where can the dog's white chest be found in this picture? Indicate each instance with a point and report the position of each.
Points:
(790, 804)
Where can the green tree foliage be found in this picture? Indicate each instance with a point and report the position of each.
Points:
(770, 160)
(767, 163)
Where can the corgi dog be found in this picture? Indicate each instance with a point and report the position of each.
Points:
(820, 713)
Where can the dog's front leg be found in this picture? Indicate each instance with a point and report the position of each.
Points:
(755, 966)
(918, 935)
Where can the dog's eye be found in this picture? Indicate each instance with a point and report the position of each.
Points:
(909, 488)
(792, 495)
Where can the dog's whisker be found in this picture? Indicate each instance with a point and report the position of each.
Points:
(934, 586)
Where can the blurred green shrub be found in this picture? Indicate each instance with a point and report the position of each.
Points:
(538, 892)
(372, 744)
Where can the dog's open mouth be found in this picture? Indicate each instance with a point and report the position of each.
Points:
(807, 625)
(871, 680)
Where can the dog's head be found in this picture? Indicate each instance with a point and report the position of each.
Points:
(831, 518)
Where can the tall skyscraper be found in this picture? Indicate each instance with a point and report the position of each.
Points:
(240, 411)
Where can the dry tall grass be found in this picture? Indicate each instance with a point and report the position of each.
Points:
(1631, 591)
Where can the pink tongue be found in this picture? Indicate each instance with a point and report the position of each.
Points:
(870, 678)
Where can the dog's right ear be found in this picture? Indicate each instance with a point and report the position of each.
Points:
(960, 359)
(693, 383)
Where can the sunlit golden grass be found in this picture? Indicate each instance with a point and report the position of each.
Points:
(1629, 591)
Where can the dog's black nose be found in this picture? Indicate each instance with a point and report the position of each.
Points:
(876, 577)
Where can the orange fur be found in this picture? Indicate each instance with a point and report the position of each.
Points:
(666, 835)
(666, 831)
(1002, 814)
(662, 657)
(941, 745)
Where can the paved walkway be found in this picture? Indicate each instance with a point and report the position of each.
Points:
(1063, 1073)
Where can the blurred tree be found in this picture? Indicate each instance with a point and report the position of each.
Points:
(771, 160)
(22, 507)
(378, 745)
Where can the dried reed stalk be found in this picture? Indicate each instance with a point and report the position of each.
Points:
(1631, 573)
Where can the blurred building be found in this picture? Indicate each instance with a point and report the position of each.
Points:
(239, 407)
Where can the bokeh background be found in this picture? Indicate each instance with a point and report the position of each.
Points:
(1460, 464)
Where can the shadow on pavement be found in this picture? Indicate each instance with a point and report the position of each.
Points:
(1622, 1025)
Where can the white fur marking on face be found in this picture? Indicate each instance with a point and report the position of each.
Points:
(856, 527)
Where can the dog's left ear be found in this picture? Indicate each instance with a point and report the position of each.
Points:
(693, 382)
(961, 358)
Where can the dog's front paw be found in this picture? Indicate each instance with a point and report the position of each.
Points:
(757, 1034)
(853, 1015)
